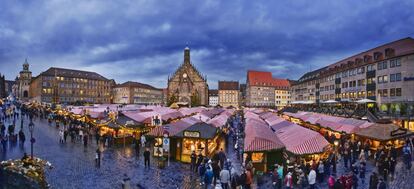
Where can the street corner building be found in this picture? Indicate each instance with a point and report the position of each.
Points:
(263, 90)
(229, 93)
(60, 85)
(187, 85)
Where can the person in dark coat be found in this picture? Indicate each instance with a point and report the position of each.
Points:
(98, 157)
(373, 181)
(216, 171)
(22, 137)
(147, 155)
(193, 161)
(338, 184)
(199, 160)
(137, 148)
(362, 170)
(382, 184)
(85, 140)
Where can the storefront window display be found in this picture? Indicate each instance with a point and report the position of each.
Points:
(190, 145)
(257, 157)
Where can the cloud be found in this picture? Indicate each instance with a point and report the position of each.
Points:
(144, 40)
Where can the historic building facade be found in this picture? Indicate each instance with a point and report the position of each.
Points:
(384, 74)
(229, 93)
(213, 98)
(60, 85)
(187, 85)
(261, 88)
(137, 93)
(22, 83)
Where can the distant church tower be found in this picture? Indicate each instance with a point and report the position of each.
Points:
(23, 82)
(187, 85)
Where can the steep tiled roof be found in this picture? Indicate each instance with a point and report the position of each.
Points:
(228, 85)
(260, 78)
(136, 84)
(63, 72)
(401, 47)
(213, 92)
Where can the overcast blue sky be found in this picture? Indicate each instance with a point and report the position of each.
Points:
(144, 40)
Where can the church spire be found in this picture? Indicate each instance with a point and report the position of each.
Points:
(187, 55)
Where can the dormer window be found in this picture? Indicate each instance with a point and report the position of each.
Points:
(389, 52)
(358, 60)
(377, 56)
(367, 58)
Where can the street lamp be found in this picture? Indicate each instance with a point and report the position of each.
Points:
(32, 140)
(336, 143)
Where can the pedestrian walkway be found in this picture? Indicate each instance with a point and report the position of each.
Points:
(74, 164)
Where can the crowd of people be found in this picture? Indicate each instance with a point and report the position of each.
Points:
(353, 157)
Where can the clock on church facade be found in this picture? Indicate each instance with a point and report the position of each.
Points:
(187, 85)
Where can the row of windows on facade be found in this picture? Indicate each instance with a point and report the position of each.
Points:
(75, 92)
(282, 102)
(283, 97)
(79, 80)
(282, 92)
(382, 92)
(361, 70)
(361, 82)
(72, 99)
(75, 85)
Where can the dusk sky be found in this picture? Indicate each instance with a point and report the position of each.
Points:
(144, 40)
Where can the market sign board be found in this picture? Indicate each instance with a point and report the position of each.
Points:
(166, 144)
(192, 134)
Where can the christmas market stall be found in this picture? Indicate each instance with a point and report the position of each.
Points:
(123, 129)
(170, 130)
(261, 145)
(199, 138)
(383, 135)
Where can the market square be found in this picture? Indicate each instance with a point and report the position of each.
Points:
(206, 95)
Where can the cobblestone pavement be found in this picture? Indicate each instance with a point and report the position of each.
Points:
(74, 164)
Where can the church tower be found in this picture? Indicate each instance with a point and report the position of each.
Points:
(187, 85)
(23, 81)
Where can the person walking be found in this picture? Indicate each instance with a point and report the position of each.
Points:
(362, 170)
(201, 173)
(312, 179)
(22, 137)
(331, 182)
(249, 179)
(216, 171)
(193, 158)
(147, 158)
(126, 182)
(225, 178)
(85, 140)
(61, 136)
(137, 148)
(288, 181)
(199, 160)
(321, 171)
(97, 137)
(98, 157)
(65, 135)
(208, 178)
(373, 181)
(143, 140)
(382, 184)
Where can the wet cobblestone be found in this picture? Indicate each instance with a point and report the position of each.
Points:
(74, 165)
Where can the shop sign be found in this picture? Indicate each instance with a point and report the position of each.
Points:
(192, 134)
(166, 144)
